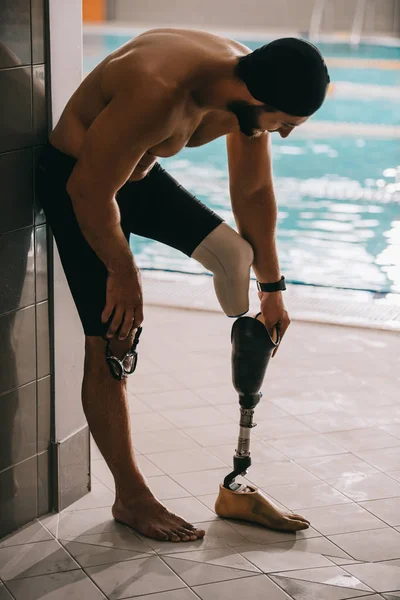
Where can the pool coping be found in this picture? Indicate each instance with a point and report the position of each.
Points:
(314, 304)
(121, 28)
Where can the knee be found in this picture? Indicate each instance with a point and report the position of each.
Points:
(95, 349)
(229, 257)
(225, 252)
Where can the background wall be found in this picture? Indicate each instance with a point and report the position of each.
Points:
(259, 14)
(25, 390)
(71, 434)
(44, 438)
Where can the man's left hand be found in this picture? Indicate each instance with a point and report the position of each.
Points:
(274, 312)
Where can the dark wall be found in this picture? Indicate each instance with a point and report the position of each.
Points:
(25, 391)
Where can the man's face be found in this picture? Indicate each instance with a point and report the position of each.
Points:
(254, 120)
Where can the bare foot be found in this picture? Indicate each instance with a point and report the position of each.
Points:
(150, 518)
(254, 506)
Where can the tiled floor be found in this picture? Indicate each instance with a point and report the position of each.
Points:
(327, 445)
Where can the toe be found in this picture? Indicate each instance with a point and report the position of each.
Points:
(159, 534)
(187, 533)
(299, 518)
(199, 533)
(298, 525)
(174, 536)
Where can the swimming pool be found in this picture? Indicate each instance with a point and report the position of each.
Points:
(337, 180)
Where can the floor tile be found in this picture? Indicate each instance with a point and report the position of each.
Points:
(387, 509)
(316, 545)
(363, 439)
(147, 467)
(190, 509)
(301, 590)
(214, 435)
(395, 475)
(287, 426)
(101, 471)
(329, 468)
(307, 495)
(165, 488)
(306, 446)
(95, 453)
(203, 377)
(162, 441)
(203, 482)
(184, 594)
(183, 462)
(271, 558)
(172, 400)
(194, 573)
(334, 420)
(391, 597)
(341, 518)
(378, 576)
(124, 539)
(305, 402)
(158, 382)
(136, 406)
(279, 473)
(217, 395)
(223, 557)
(4, 593)
(386, 459)
(71, 585)
(81, 522)
(201, 416)
(376, 545)
(261, 453)
(219, 534)
(261, 535)
(33, 532)
(149, 421)
(259, 587)
(100, 496)
(335, 576)
(90, 555)
(39, 558)
(367, 487)
(393, 429)
(134, 577)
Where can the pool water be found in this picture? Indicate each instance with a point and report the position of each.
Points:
(338, 194)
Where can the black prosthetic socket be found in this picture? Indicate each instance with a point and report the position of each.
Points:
(122, 368)
(252, 347)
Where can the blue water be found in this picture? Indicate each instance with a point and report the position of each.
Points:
(338, 197)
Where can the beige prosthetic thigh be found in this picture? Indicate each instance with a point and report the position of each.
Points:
(229, 257)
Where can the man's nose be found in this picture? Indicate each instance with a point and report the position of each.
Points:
(284, 133)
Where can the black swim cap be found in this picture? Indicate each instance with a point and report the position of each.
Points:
(288, 74)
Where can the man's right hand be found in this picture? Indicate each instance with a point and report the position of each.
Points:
(125, 299)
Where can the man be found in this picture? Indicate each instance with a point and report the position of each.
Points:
(99, 181)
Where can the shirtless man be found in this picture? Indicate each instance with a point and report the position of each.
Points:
(99, 181)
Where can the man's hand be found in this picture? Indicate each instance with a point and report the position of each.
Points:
(274, 312)
(125, 299)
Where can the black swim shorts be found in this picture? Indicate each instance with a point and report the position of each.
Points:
(156, 207)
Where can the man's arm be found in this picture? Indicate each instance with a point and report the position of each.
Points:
(253, 200)
(131, 123)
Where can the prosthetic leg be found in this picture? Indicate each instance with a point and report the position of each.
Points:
(252, 347)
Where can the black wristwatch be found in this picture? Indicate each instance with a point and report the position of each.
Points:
(272, 287)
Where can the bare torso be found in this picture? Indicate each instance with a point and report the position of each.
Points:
(174, 56)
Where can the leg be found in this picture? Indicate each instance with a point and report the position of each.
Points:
(104, 398)
(168, 213)
(105, 405)
(252, 347)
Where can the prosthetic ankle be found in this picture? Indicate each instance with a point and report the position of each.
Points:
(252, 347)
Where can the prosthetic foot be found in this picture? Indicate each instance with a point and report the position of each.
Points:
(252, 347)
